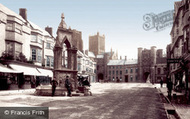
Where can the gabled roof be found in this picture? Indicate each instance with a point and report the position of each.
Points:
(36, 27)
(91, 54)
(10, 12)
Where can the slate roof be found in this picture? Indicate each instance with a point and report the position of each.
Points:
(10, 12)
(122, 62)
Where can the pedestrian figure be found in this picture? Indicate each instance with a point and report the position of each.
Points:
(68, 86)
(117, 79)
(161, 83)
(54, 84)
(170, 87)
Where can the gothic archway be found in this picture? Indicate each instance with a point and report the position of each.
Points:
(145, 76)
(100, 76)
(65, 53)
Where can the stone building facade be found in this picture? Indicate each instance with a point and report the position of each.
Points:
(179, 48)
(149, 61)
(77, 39)
(97, 44)
(102, 61)
(27, 48)
(86, 65)
(123, 69)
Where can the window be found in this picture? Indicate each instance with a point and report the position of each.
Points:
(113, 72)
(33, 54)
(48, 45)
(136, 77)
(120, 72)
(34, 38)
(126, 71)
(109, 72)
(40, 39)
(18, 28)
(52, 62)
(159, 70)
(49, 61)
(131, 70)
(116, 72)
(120, 78)
(9, 47)
(136, 70)
(36, 54)
(39, 55)
(9, 26)
(131, 78)
(18, 49)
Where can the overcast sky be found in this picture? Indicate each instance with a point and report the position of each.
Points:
(121, 21)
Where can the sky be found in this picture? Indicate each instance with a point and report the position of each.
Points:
(121, 21)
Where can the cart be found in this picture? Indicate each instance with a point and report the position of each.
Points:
(84, 85)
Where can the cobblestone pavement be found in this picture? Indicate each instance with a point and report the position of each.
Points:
(109, 101)
(115, 103)
(183, 110)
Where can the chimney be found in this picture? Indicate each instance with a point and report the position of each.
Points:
(126, 58)
(49, 30)
(23, 13)
(120, 57)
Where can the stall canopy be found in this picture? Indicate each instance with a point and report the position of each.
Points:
(32, 70)
(45, 72)
(5, 69)
(26, 70)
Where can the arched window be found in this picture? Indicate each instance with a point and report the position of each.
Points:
(65, 56)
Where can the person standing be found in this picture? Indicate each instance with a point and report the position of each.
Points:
(161, 83)
(68, 86)
(170, 87)
(54, 85)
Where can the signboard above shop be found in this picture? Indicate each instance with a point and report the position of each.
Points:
(174, 60)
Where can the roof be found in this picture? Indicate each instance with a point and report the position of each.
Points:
(91, 54)
(100, 56)
(36, 27)
(79, 53)
(122, 62)
(10, 12)
(116, 62)
(131, 61)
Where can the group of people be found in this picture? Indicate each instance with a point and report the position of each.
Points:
(68, 86)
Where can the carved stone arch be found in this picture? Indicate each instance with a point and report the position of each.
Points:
(66, 41)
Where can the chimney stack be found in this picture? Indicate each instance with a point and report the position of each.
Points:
(120, 57)
(125, 57)
(23, 13)
(49, 30)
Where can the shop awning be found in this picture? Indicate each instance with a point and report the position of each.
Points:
(26, 70)
(5, 69)
(45, 72)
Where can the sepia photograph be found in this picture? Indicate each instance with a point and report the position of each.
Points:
(94, 59)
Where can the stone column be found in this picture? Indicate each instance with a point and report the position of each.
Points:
(69, 58)
(57, 58)
(74, 53)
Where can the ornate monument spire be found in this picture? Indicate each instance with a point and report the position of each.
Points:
(63, 24)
